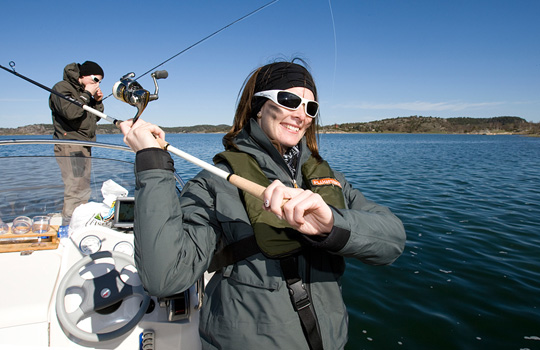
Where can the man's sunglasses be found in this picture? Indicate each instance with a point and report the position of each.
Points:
(287, 99)
(95, 79)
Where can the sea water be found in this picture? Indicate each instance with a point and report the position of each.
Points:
(469, 277)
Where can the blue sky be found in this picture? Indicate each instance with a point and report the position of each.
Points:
(371, 59)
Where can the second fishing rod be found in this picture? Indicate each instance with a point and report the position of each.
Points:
(130, 91)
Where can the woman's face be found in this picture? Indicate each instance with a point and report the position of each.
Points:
(283, 125)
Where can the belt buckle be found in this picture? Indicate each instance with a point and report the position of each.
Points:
(299, 295)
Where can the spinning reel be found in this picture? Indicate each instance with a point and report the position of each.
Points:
(130, 91)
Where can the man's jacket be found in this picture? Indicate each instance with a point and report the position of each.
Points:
(70, 121)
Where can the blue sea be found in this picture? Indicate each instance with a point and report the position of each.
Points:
(469, 277)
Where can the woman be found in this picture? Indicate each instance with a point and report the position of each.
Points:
(278, 261)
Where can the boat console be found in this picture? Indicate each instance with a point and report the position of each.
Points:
(86, 293)
(80, 289)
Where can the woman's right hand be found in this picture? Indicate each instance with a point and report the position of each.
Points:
(141, 135)
(304, 210)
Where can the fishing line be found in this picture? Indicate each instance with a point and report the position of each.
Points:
(242, 183)
(206, 38)
(335, 47)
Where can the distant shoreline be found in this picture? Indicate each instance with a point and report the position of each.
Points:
(405, 125)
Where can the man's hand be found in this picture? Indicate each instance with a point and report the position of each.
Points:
(98, 96)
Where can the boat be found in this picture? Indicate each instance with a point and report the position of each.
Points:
(78, 288)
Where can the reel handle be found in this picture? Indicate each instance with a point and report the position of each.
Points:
(160, 74)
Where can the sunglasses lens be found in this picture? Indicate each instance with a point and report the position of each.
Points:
(311, 109)
(286, 99)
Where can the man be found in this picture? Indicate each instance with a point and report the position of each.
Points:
(71, 122)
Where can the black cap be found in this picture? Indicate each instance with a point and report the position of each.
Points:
(90, 68)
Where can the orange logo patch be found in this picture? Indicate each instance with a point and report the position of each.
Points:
(325, 182)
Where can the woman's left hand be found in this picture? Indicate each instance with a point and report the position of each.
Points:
(304, 210)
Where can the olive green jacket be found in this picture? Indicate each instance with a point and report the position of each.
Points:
(70, 121)
(247, 305)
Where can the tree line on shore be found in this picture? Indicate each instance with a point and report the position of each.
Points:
(434, 125)
(412, 124)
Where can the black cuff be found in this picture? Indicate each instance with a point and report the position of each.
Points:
(335, 241)
(153, 158)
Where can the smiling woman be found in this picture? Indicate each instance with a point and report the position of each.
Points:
(278, 258)
(269, 98)
(283, 125)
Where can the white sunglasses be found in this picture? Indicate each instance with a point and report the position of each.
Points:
(95, 79)
(292, 101)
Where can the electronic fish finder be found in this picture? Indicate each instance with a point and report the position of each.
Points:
(124, 213)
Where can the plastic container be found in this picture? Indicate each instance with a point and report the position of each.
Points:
(21, 224)
(4, 228)
(40, 224)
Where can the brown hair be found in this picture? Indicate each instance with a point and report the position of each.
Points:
(248, 106)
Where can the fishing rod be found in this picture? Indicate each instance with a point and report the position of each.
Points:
(205, 38)
(131, 92)
(67, 98)
(126, 90)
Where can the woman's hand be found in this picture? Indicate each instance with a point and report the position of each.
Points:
(141, 134)
(304, 210)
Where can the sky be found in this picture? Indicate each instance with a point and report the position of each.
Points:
(371, 59)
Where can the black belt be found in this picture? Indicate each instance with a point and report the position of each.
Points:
(300, 298)
(301, 302)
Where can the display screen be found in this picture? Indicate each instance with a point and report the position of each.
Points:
(124, 212)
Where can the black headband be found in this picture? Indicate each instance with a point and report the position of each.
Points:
(282, 76)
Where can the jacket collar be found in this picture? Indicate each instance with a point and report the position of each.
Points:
(253, 141)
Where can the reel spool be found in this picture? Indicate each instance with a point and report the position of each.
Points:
(130, 91)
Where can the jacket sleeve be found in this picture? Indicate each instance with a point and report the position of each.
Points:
(175, 237)
(70, 110)
(366, 231)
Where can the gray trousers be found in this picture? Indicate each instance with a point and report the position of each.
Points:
(75, 165)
